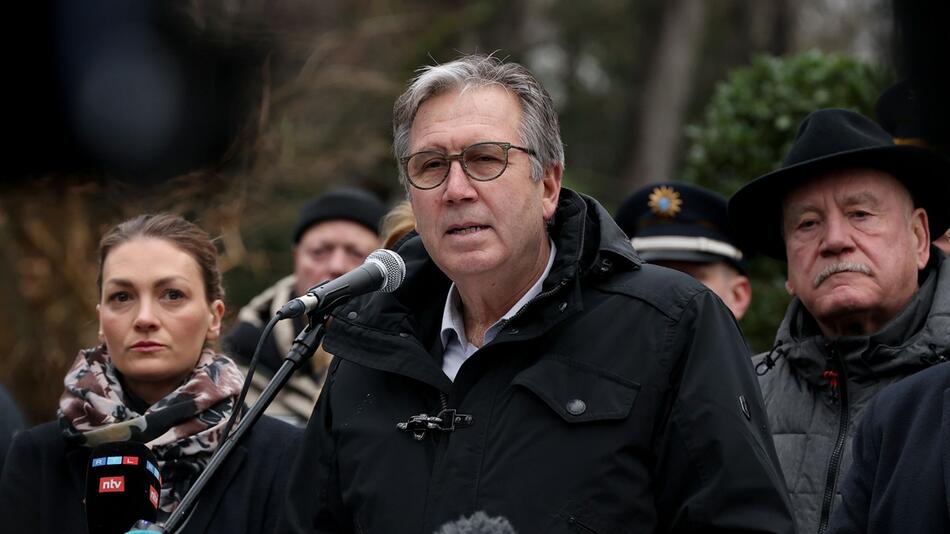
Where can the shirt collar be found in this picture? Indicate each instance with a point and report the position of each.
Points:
(452, 321)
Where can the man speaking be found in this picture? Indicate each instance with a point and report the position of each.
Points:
(530, 366)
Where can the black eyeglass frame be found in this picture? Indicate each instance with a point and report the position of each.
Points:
(451, 157)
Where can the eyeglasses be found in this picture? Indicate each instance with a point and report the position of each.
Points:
(482, 162)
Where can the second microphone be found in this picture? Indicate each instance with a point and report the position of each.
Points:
(383, 271)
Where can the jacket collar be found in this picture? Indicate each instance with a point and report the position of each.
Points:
(397, 332)
(913, 339)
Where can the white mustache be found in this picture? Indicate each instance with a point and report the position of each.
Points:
(843, 267)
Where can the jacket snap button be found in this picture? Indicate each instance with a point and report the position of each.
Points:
(352, 315)
(562, 306)
(513, 331)
(576, 406)
(403, 334)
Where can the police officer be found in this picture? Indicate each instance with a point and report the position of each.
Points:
(686, 227)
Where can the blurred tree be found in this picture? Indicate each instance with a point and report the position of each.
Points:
(667, 93)
(746, 130)
(47, 248)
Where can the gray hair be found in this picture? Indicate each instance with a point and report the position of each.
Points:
(539, 125)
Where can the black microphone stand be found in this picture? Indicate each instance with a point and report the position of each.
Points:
(302, 350)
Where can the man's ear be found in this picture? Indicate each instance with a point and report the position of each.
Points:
(551, 190)
(741, 291)
(921, 229)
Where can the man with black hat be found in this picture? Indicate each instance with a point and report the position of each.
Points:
(686, 227)
(852, 214)
(334, 234)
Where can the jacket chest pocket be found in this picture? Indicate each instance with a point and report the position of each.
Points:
(584, 446)
(579, 393)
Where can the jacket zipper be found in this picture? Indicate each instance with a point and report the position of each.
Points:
(538, 297)
(831, 479)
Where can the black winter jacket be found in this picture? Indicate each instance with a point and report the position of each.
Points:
(621, 399)
(900, 478)
(43, 482)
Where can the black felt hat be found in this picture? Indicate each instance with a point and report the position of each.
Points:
(830, 139)
(675, 221)
(349, 204)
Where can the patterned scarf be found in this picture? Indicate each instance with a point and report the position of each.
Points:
(182, 429)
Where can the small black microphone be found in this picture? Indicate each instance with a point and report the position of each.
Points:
(478, 523)
(123, 486)
(383, 271)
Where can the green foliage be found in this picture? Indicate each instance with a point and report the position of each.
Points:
(750, 121)
(747, 128)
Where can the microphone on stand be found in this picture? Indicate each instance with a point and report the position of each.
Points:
(123, 486)
(383, 271)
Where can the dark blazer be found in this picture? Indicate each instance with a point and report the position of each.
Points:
(900, 477)
(42, 486)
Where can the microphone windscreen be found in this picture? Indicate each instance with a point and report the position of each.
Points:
(478, 523)
(123, 486)
(393, 268)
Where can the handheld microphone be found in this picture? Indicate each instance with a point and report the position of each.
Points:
(123, 486)
(383, 271)
(478, 523)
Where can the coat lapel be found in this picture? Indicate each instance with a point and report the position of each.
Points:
(217, 487)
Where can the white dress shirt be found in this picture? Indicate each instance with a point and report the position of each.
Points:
(457, 347)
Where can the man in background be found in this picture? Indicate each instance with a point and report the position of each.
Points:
(686, 227)
(334, 234)
(852, 214)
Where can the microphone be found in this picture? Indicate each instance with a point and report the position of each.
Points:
(383, 271)
(478, 523)
(123, 486)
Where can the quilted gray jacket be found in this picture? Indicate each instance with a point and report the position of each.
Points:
(815, 389)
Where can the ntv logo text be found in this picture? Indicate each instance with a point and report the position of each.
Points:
(111, 484)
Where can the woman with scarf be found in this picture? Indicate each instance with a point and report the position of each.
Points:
(155, 379)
